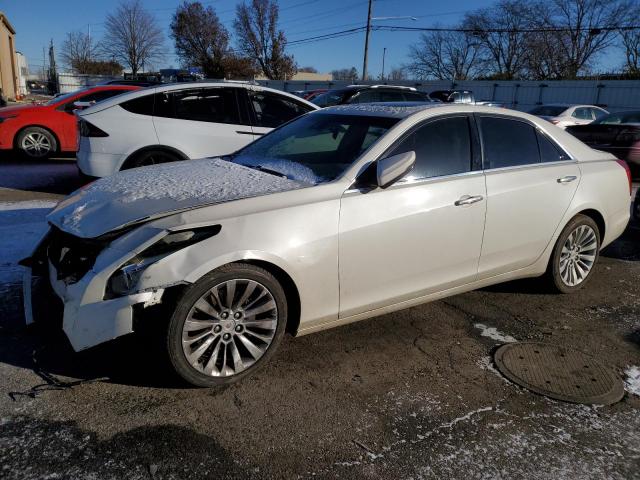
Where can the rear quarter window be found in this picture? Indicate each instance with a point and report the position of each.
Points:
(141, 105)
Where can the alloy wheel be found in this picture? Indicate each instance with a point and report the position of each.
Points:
(230, 327)
(578, 255)
(36, 144)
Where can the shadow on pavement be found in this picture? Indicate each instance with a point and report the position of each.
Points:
(158, 451)
(58, 176)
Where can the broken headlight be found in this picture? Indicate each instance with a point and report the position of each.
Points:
(124, 280)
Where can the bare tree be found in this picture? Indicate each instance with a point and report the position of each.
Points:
(78, 51)
(502, 31)
(574, 36)
(132, 36)
(259, 38)
(200, 39)
(349, 74)
(308, 70)
(397, 73)
(631, 44)
(445, 56)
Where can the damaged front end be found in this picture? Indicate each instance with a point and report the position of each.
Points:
(78, 271)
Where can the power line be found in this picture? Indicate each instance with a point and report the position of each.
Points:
(593, 30)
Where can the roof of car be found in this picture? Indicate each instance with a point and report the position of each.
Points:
(166, 87)
(389, 109)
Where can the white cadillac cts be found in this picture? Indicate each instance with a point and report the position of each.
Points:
(340, 215)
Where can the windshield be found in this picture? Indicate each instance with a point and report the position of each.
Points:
(330, 98)
(316, 148)
(548, 110)
(64, 98)
(619, 118)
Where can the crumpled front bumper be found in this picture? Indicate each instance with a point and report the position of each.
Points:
(87, 324)
(88, 318)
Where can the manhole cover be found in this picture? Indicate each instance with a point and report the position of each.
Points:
(559, 372)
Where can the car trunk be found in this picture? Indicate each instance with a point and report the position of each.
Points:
(602, 136)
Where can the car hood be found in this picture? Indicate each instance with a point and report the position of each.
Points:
(141, 194)
(17, 109)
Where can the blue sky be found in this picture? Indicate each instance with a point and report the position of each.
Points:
(37, 21)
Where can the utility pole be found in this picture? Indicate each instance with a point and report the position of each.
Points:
(384, 54)
(366, 43)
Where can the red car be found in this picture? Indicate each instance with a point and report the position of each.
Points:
(40, 130)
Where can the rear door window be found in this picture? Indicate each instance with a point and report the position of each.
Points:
(443, 147)
(366, 96)
(272, 110)
(215, 105)
(391, 96)
(414, 97)
(508, 143)
(582, 114)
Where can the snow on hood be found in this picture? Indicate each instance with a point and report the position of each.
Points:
(291, 170)
(135, 195)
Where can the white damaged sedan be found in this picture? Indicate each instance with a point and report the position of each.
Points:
(340, 215)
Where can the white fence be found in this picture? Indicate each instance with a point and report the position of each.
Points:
(615, 95)
(69, 82)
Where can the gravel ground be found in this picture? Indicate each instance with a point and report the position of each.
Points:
(412, 394)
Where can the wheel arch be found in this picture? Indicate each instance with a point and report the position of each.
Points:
(290, 291)
(148, 148)
(597, 217)
(44, 127)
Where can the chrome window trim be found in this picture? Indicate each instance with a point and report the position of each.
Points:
(529, 166)
(405, 183)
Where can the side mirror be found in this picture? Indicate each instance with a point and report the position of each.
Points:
(392, 169)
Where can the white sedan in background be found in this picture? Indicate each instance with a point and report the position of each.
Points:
(178, 122)
(343, 214)
(564, 115)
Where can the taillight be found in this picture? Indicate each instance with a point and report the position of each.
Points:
(90, 130)
(624, 165)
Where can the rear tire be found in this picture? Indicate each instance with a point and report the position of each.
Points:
(574, 255)
(227, 325)
(151, 157)
(36, 143)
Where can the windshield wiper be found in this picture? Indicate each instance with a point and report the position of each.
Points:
(267, 170)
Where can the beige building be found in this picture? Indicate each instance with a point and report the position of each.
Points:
(8, 73)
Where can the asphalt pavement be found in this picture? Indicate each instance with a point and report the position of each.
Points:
(409, 395)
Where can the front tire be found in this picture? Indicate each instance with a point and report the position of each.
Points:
(227, 325)
(575, 254)
(36, 143)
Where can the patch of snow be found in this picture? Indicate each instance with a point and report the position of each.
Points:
(494, 334)
(397, 111)
(134, 194)
(486, 363)
(22, 225)
(292, 170)
(465, 417)
(632, 380)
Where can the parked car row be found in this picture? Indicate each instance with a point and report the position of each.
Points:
(131, 127)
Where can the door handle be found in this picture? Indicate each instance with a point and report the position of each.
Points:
(243, 132)
(567, 179)
(468, 200)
